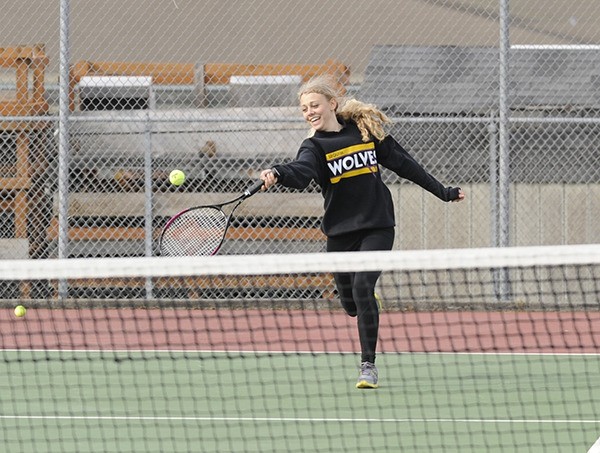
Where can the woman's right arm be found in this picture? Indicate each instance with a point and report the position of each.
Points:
(296, 174)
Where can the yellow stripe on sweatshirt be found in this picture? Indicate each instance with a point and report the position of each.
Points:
(350, 174)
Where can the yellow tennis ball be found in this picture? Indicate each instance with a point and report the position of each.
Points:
(20, 311)
(177, 177)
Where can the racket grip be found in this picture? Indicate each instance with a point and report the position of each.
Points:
(253, 188)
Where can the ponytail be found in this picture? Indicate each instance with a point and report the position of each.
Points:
(370, 120)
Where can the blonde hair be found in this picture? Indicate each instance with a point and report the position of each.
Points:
(370, 120)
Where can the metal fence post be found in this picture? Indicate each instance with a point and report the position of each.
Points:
(493, 159)
(63, 142)
(503, 288)
(148, 196)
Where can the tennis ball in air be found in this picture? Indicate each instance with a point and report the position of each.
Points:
(177, 177)
(20, 311)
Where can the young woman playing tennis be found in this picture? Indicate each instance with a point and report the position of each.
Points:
(343, 155)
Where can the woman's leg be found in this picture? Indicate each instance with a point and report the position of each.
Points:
(363, 294)
(363, 291)
(356, 290)
(344, 284)
(344, 281)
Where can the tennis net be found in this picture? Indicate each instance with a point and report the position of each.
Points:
(479, 350)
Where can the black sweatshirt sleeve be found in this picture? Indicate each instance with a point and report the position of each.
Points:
(393, 156)
(299, 173)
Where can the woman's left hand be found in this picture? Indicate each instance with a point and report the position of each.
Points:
(461, 196)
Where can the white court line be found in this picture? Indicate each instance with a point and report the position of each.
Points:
(142, 418)
(293, 419)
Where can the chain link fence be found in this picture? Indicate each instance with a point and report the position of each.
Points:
(101, 100)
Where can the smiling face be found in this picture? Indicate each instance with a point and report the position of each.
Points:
(319, 111)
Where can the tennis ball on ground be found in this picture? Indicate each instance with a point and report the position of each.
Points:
(177, 177)
(20, 311)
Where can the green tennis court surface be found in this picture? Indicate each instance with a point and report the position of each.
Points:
(151, 401)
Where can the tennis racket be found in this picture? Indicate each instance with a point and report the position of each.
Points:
(201, 230)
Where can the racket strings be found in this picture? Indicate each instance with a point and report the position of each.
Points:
(198, 232)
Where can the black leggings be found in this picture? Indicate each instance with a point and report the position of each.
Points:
(356, 290)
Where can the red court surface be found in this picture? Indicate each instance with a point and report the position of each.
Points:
(298, 331)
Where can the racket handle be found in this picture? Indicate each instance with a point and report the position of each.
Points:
(253, 188)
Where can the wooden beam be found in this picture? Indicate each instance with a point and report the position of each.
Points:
(210, 73)
(15, 183)
(110, 233)
(15, 108)
(214, 73)
(10, 56)
(116, 233)
(283, 281)
(25, 59)
(220, 73)
(168, 204)
(161, 73)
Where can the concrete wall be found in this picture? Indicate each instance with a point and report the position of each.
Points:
(543, 214)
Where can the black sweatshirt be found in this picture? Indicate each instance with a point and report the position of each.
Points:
(347, 169)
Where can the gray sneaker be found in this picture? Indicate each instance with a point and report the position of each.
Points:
(368, 376)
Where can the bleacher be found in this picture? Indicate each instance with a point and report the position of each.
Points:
(450, 82)
(22, 155)
(197, 79)
(107, 210)
(107, 200)
(22, 144)
(107, 203)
